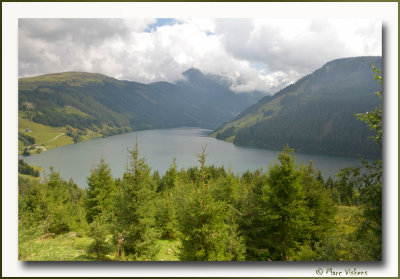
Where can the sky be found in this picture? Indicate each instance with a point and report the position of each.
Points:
(254, 54)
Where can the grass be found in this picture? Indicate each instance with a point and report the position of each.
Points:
(46, 136)
(71, 78)
(43, 134)
(168, 250)
(53, 248)
(347, 218)
(35, 246)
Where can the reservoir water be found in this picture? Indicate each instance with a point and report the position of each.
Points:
(160, 147)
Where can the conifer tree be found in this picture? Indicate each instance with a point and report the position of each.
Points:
(166, 209)
(136, 210)
(101, 192)
(252, 207)
(319, 202)
(288, 215)
(99, 229)
(208, 231)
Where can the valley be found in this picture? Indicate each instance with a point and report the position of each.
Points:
(198, 139)
(84, 106)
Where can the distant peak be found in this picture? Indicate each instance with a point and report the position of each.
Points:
(192, 72)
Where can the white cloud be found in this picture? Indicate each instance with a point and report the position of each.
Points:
(126, 49)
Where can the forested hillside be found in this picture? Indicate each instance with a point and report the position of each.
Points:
(106, 105)
(316, 114)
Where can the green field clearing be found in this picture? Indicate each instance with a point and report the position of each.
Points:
(69, 247)
(46, 136)
(50, 248)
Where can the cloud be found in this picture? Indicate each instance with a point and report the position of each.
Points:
(298, 45)
(254, 54)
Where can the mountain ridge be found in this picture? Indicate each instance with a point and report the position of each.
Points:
(315, 114)
(106, 102)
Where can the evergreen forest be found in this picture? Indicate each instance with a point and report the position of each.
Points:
(315, 114)
(206, 213)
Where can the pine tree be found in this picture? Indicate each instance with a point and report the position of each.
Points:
(288, 217)
(136, 210)
(207, 227)
(166, 209)
(252, 207)
(319, 203)
(101, 192)
(99, 229)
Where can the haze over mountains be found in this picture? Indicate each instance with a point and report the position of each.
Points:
(316, 114)
(95, 101)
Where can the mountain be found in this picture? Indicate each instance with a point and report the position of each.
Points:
(315, 114)
(100, 103)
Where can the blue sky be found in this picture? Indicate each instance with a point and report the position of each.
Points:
(161, 22)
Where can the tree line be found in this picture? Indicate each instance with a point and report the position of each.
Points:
(283, 214)
(286, 213)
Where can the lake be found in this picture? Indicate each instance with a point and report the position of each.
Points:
(159, 147)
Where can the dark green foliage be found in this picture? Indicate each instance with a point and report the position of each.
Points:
(268, 113)
(207, 226)
(135, 209)
(288, 217)
(251, 204)
(75, 134)
(225, 134)
(101, 192)
(26, 152)
(166, 217)
(319, 203)
(346, 186)
(374, 118)
(55, 205)
(285, 213)
(26, 140)
(366, 182)
(25, 168)
(370, 229)
(169, 179)
(371, 184)
(316, 114)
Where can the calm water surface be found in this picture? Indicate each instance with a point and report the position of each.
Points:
(161, 146)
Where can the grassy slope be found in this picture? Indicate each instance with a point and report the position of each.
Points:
(44, 135)
(72, 78)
